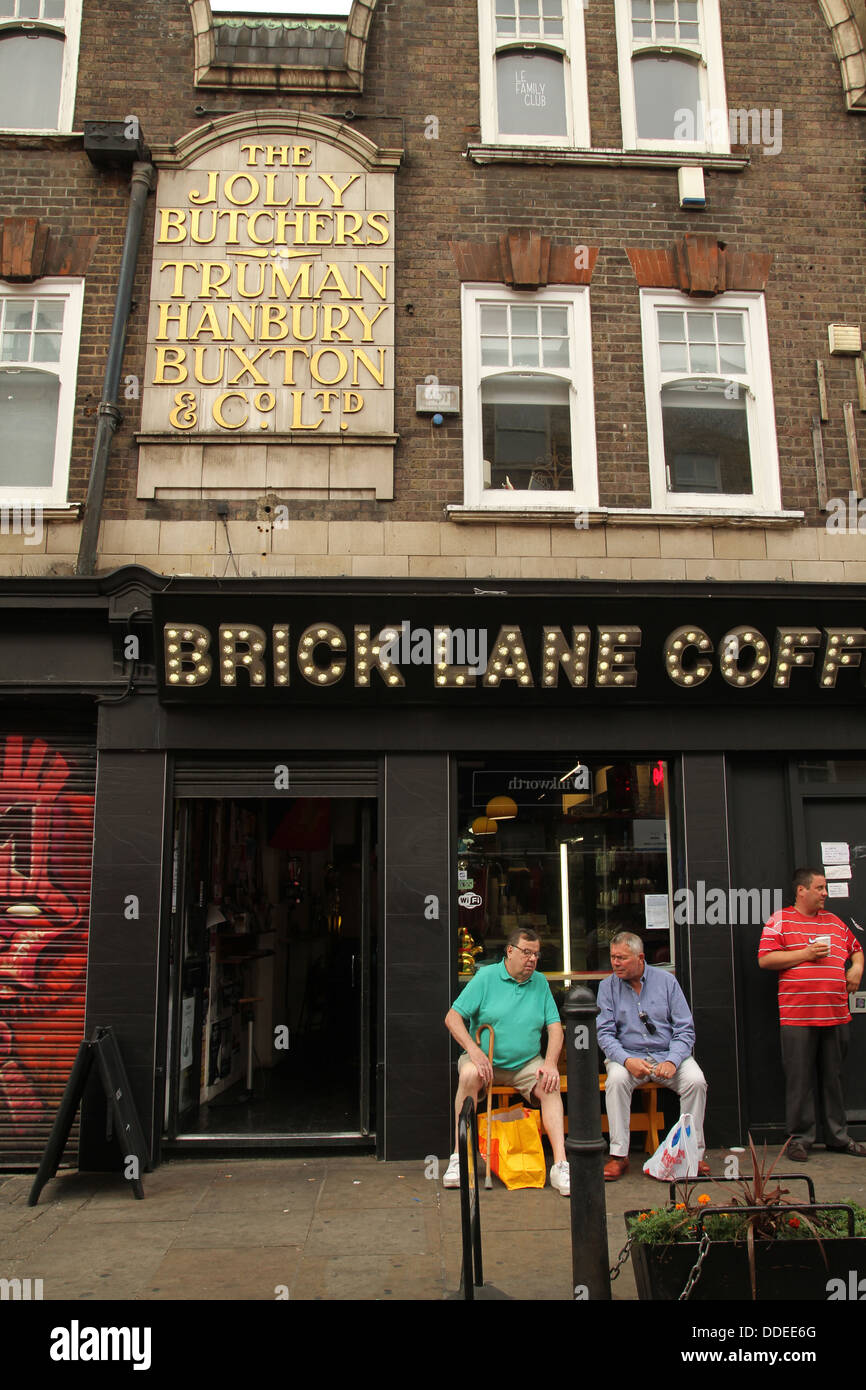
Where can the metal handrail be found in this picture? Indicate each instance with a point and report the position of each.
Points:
(777, 1177)
(470, 1216)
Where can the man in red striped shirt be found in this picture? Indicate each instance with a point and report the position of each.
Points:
(812, 949)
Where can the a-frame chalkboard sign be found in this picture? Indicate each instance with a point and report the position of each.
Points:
(123, 1119)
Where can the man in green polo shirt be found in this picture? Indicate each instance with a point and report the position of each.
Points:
(517, 1003)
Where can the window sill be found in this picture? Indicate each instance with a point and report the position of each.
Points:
(628, 516)
(40, 139)
(274, 77)
(632, 159)
(49, 511)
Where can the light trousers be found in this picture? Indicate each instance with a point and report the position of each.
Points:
(689, 1083)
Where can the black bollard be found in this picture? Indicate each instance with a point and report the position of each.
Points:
(585, 1149)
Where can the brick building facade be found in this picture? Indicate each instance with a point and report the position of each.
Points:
(765, 204)
(653, 425)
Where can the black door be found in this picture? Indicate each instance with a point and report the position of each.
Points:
(842, 819)
(270, 991)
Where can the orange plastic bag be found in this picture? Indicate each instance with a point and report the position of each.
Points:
(516, 1155)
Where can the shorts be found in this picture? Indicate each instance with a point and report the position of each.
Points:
(522, 1078)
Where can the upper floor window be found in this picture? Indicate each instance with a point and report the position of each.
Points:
(671, 74)
(529, 425)
(38, 63)
(533, 72)
(39, 331)
(709, 394)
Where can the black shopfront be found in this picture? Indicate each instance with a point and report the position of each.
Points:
(317, 805)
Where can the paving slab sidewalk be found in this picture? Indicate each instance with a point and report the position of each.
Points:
(336, 1228)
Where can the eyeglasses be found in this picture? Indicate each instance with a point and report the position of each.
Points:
(530, 955)
(647, 1022)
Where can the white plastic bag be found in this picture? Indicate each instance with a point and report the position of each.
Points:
(677, 1156)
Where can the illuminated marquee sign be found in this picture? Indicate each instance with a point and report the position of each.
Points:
(272, 293)
(527, 651)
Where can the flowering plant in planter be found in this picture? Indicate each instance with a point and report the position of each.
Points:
(746, 1234)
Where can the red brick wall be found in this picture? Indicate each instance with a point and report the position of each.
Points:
(805, 205)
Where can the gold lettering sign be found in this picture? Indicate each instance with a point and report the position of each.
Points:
(272, 295)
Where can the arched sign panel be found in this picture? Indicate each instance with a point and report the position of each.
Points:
(272, 307)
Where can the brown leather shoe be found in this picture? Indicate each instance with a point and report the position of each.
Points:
(615, 1168)
(703, 1169)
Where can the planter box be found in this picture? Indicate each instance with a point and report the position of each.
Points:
(793, 1270)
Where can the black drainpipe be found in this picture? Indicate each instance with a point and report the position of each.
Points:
(110, 414)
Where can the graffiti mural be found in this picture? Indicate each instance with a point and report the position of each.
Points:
(46, 839)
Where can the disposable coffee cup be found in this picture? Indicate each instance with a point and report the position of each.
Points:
(824, 937)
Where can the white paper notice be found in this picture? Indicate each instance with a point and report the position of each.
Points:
(656, 912)
(837, 890)
(186, 1031)
(649, 834)
(832, 871)
(835, 852)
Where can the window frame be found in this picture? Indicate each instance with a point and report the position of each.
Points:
(66, 370)
(711, 81)
(579, 375)
(573, 50)
(70, 29)
(757, 383)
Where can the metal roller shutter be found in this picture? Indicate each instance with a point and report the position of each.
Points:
(276, 775)
(47, 785)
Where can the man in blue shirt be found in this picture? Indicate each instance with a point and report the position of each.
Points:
(517, 1003)
(647, 1033)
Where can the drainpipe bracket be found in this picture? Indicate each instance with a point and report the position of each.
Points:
(113, 413)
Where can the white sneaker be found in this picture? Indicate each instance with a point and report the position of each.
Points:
(560, 1178)
(452, 1172)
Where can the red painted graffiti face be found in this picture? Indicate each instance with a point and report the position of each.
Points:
(45, 838)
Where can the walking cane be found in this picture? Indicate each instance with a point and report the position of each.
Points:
(488, 1174)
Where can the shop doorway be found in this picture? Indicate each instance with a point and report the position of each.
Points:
(271, 1007)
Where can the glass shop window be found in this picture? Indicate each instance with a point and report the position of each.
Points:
(576, 852)
(828, 770)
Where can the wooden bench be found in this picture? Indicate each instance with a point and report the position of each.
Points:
(648, 1121)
